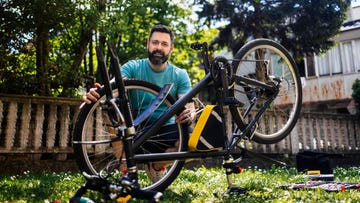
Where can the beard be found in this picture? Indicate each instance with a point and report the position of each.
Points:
(157, 60)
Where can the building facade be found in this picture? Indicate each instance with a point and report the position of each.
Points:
(327, 85)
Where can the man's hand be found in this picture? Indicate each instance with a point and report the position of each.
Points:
(91, 96)
(187, 116)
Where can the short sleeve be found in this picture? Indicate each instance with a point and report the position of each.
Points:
(127, 69)
(184, 82)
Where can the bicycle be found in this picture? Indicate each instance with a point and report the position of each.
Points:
(119, 131)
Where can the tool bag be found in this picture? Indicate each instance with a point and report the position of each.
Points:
(309, 160)
(208, 131)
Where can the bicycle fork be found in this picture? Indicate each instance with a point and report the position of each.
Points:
(121, 117)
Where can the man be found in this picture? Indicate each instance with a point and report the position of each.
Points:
(156, 69)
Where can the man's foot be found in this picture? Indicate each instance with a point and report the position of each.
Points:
(155, 173)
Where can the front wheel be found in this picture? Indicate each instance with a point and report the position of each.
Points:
(93, 131)
(267, 61)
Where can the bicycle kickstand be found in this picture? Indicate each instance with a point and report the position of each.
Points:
(231, 167)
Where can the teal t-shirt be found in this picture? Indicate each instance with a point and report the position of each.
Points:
(140, 69)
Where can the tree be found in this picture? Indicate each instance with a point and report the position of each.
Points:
(301, 26)
(130, 28)
(47, 47)
(27, 31)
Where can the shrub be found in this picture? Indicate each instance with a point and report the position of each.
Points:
(356, 91)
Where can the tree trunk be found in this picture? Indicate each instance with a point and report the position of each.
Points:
(85, 39)
(261, 66)
(42, 61)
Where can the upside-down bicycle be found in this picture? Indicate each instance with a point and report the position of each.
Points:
(119, 133)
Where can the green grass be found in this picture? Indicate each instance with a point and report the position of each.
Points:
(200, 185)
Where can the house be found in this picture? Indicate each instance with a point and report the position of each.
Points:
(327, 85)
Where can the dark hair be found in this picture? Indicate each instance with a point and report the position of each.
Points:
(163, 29)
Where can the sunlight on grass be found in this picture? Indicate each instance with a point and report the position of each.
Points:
(198, 185)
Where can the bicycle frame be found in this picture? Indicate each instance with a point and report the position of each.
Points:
(219, 74)
(176, 109)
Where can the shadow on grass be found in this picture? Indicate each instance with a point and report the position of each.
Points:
(184, 197)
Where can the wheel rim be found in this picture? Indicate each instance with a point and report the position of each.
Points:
(279, 117)
(99, 156)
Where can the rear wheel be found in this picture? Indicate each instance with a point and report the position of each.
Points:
(267, 61)
(93, 125)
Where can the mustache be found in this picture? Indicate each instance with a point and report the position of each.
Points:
(157, 60)
(158, 52)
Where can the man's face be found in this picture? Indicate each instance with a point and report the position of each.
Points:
(159, 48)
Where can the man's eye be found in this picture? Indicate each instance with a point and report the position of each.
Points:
(155, 43)
(163, 44)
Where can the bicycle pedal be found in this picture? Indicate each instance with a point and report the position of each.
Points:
(232, 168)
(237, 169)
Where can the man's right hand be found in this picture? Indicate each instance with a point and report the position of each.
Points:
(91, 96)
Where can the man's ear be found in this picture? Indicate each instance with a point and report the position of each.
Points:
(171, 47)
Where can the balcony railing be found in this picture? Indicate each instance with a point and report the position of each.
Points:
(38, 125)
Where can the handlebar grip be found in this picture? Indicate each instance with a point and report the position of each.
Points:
(198, 45)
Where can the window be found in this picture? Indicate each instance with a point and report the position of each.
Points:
(344, 58)
(357, 55)
(347, 57)
(322, 62)
(335, 60)
(329, 63)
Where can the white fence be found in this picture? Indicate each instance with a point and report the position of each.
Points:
(330, 133)
(38, 125)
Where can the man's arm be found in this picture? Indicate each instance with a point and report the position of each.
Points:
(93, 96)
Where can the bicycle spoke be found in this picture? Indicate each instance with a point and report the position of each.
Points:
(98, 147)
(266, 61)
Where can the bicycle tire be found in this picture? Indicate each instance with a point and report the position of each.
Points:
(91, 126)
(281, 116)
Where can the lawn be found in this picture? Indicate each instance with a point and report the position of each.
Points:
(197, 185)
